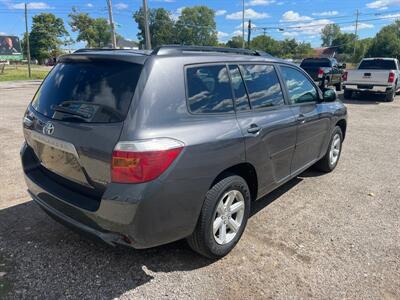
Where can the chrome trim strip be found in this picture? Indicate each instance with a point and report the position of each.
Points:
(55, 143)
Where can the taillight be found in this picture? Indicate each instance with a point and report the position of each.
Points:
(320, 73)
(391, 77)
(345, 76)
(143, 160)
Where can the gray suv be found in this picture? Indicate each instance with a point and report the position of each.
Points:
(146, 148)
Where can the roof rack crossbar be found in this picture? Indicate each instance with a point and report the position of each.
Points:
(179, 49)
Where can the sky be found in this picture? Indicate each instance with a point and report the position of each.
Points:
(299, 19)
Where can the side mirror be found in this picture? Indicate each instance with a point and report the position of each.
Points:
(329, 95)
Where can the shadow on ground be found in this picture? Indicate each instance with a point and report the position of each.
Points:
(46, 260)
(364, 99)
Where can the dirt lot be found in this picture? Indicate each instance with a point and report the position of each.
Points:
(319, 236)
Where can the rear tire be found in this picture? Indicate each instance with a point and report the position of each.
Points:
(220, 226)
(390, 96)
(338, 87)
(347, 94)
(331, 158)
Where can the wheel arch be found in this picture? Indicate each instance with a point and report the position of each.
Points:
(244, 170)
(343, 126)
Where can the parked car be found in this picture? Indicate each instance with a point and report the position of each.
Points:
(325, 71)
(144, 149)
(373, 75)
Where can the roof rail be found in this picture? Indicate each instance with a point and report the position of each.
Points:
(179, 49)
(143, 52)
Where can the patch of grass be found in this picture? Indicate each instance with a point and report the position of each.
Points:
(21, 73)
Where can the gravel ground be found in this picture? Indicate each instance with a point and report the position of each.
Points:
(318, 236)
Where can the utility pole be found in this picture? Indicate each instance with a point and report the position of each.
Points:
(146, 26)
(248, 33)
(356, 31)
(112, 25)
(243, 45)
(28, 49)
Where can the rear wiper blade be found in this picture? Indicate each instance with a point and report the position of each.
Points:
(70, 111)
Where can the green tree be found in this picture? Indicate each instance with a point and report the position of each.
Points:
(96, 32)
(161, 27)
(235, 42)
(45, 37)
(362, 47)
(196, 26)
(266, 43)
(344, 45)
(303, 50)
(387, 42)
(329, 33)
(287, 48)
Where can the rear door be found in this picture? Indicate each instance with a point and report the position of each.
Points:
(312, 124)
(76, 117)
(268, 125)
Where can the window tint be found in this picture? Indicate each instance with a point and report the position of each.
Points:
(209, 89)
(315, 63)
(242, 101)
(300, 88)
(88, 91)
(262, 85)
(377, 64)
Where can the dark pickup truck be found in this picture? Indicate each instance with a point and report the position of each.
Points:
(324, 71)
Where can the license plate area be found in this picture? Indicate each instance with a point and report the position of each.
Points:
(365, 87)
(59, 157)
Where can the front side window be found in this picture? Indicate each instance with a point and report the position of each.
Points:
(262, 85)
(300, 89)
(209, 89)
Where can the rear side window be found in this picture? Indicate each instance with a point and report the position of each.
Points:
(300, 89)
(96, 91)
(377, 64)
(242, 101)
(262, 85)
(209, 89)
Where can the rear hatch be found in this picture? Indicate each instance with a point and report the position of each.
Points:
(372, 72)
(76, 118)
(313, 65)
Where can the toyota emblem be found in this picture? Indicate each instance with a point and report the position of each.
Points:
(48, 128)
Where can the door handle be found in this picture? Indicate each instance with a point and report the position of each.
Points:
(254, 128)
(301, 119)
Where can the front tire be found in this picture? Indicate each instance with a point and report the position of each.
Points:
(331, 158)
(223, 218)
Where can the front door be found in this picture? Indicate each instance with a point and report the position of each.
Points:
(267, 123)
(312, 124)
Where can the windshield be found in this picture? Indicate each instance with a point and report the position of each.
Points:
(93, 92)
(377, 64)
(315, 63)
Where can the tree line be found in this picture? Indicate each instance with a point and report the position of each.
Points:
(196, 26)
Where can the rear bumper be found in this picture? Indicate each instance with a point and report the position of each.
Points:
(368, 88)
(137, 215)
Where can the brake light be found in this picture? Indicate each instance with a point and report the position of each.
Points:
(345, 76)
(391, 77)
(143, 160)
(320, 73)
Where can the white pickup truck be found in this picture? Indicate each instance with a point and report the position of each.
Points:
(373, 75)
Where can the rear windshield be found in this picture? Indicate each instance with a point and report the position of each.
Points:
(315, 63)
(377, 64)
(92, 92)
